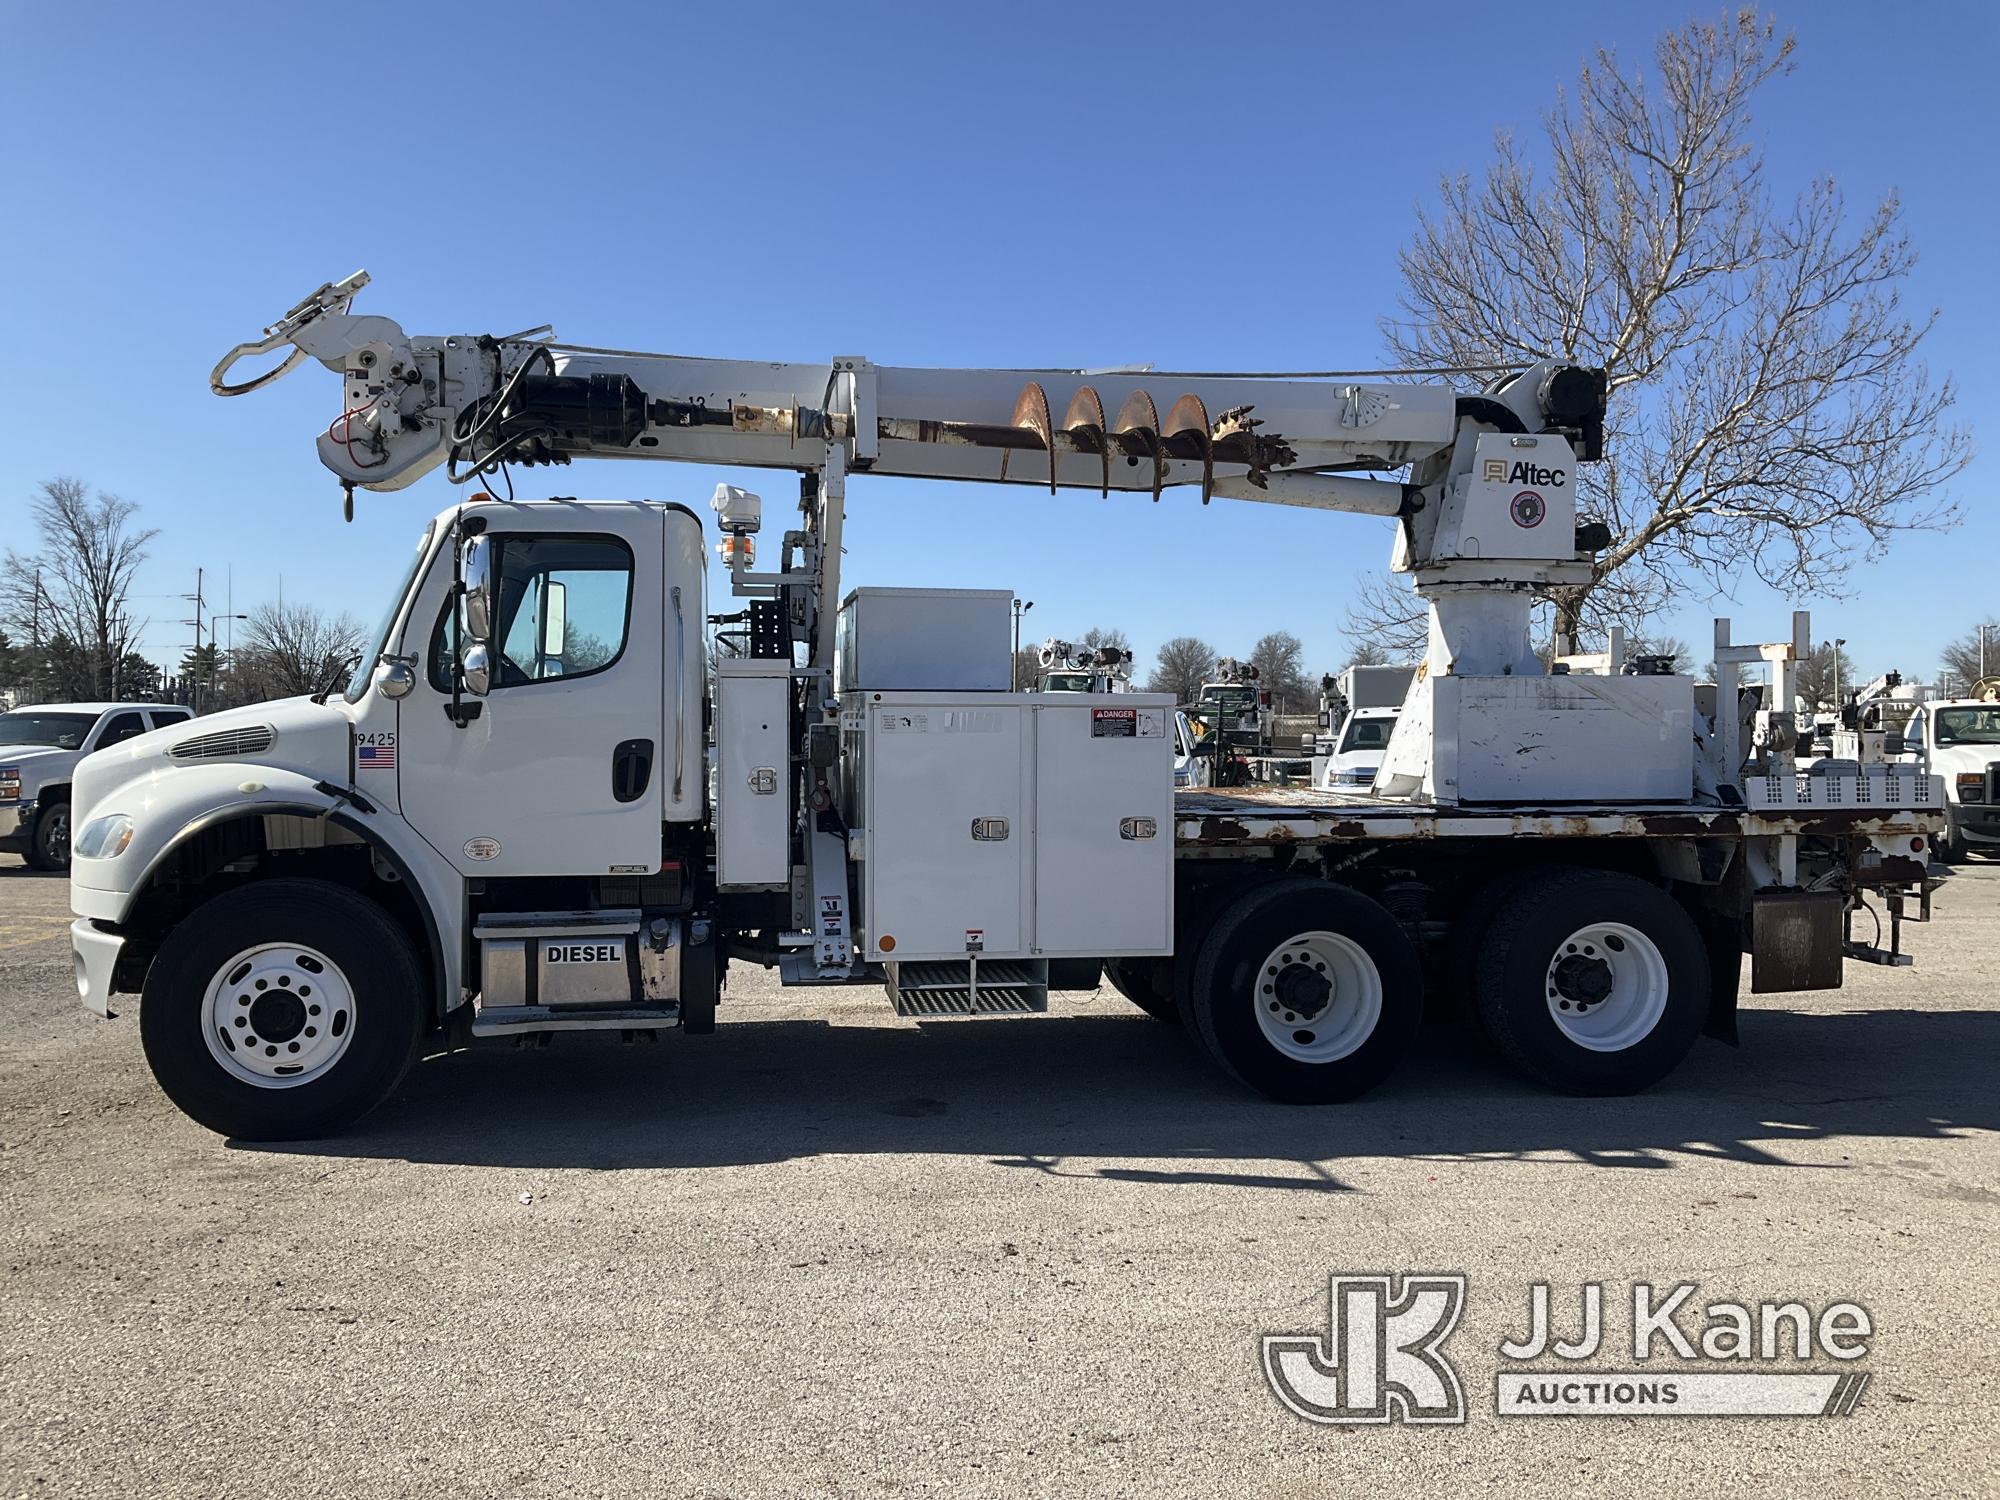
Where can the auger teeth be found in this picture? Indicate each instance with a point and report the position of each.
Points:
(1190, 417)
(1083, 425)
(1138, 433)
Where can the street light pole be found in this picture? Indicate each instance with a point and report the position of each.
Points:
(1014, 662)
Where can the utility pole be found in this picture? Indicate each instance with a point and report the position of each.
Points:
(194, 687)
(1014, 663)
(1982, 650)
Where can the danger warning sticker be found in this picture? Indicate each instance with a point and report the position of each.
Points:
(1127, 723)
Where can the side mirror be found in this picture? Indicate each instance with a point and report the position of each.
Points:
(475, 669)
(476, 572)
(555, 619)
(1894, 744)
(394, 677)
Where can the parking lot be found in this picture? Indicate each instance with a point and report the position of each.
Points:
(831, 1252)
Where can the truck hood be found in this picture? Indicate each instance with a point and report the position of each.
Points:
(27, 756)
(293, 734)
(1947, 759)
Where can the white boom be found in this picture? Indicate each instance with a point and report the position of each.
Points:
(1486, 515)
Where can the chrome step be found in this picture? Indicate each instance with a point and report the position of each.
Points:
(511, 1020)
(990, 987)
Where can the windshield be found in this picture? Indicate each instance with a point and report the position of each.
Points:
(1230, 697)
(60, 731)
(364, 669)
(1955, 726)
(1367, 734)
(1066, 682)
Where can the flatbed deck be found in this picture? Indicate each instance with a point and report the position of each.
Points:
(1252, 817)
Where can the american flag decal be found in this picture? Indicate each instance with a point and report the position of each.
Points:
(375, 757)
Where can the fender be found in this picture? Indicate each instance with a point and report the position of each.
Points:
(110, 893)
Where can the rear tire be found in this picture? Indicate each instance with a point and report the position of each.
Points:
(282, 1010)
(1148, 983)
(1593, 982)
(1310, 993)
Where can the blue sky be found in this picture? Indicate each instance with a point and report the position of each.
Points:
(1065, 185)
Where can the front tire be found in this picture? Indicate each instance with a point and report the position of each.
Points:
(48, 841)
(282, 1010)
(1310, 993)
(1593, 982)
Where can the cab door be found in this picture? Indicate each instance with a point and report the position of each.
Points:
(556, 770)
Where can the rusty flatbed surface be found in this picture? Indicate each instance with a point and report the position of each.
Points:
(1250, 817)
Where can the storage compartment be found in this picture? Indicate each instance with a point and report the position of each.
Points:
(926, 640)
(753, 793)
(1545, 741)
(1011, 825)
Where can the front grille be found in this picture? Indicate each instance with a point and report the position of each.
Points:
(226, 744)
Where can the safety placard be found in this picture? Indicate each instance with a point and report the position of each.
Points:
(1128, 723)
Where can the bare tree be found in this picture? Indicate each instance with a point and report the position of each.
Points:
(293, 648)
(1183, 667)
(1824, 677)
(75, 587)
(1280, 662)
(1369, 652)
(1769, 413)
(1961, 659)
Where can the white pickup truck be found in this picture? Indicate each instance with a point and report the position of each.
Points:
(39, 749)
(1959, 741)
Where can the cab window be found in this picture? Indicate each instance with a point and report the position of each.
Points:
(563, 607)
(121, 727)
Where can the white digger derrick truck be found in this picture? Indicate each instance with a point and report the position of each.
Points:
(534, 808)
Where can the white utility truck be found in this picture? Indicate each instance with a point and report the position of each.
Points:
(503, 826)
(39, 750)
(1068, 668)
(1958, 741)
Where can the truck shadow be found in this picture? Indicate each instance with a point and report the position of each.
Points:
(1131, 1100)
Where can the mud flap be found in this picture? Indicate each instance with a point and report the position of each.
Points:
(1795, 941)
(1724, 941)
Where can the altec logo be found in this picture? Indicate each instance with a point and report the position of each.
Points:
(1499, 471)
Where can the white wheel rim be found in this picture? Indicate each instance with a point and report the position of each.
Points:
(1319, 997)
(278, 1015)
(1606, 986)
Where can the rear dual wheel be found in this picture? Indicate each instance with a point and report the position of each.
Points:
(1592, 982)
(1148, 983)
(1310, 993)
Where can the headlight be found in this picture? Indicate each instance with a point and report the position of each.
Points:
(104, 838)
(10, 783)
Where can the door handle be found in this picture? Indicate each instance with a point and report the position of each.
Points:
(631, 769)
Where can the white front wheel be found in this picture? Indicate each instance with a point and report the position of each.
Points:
(278, 1015)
